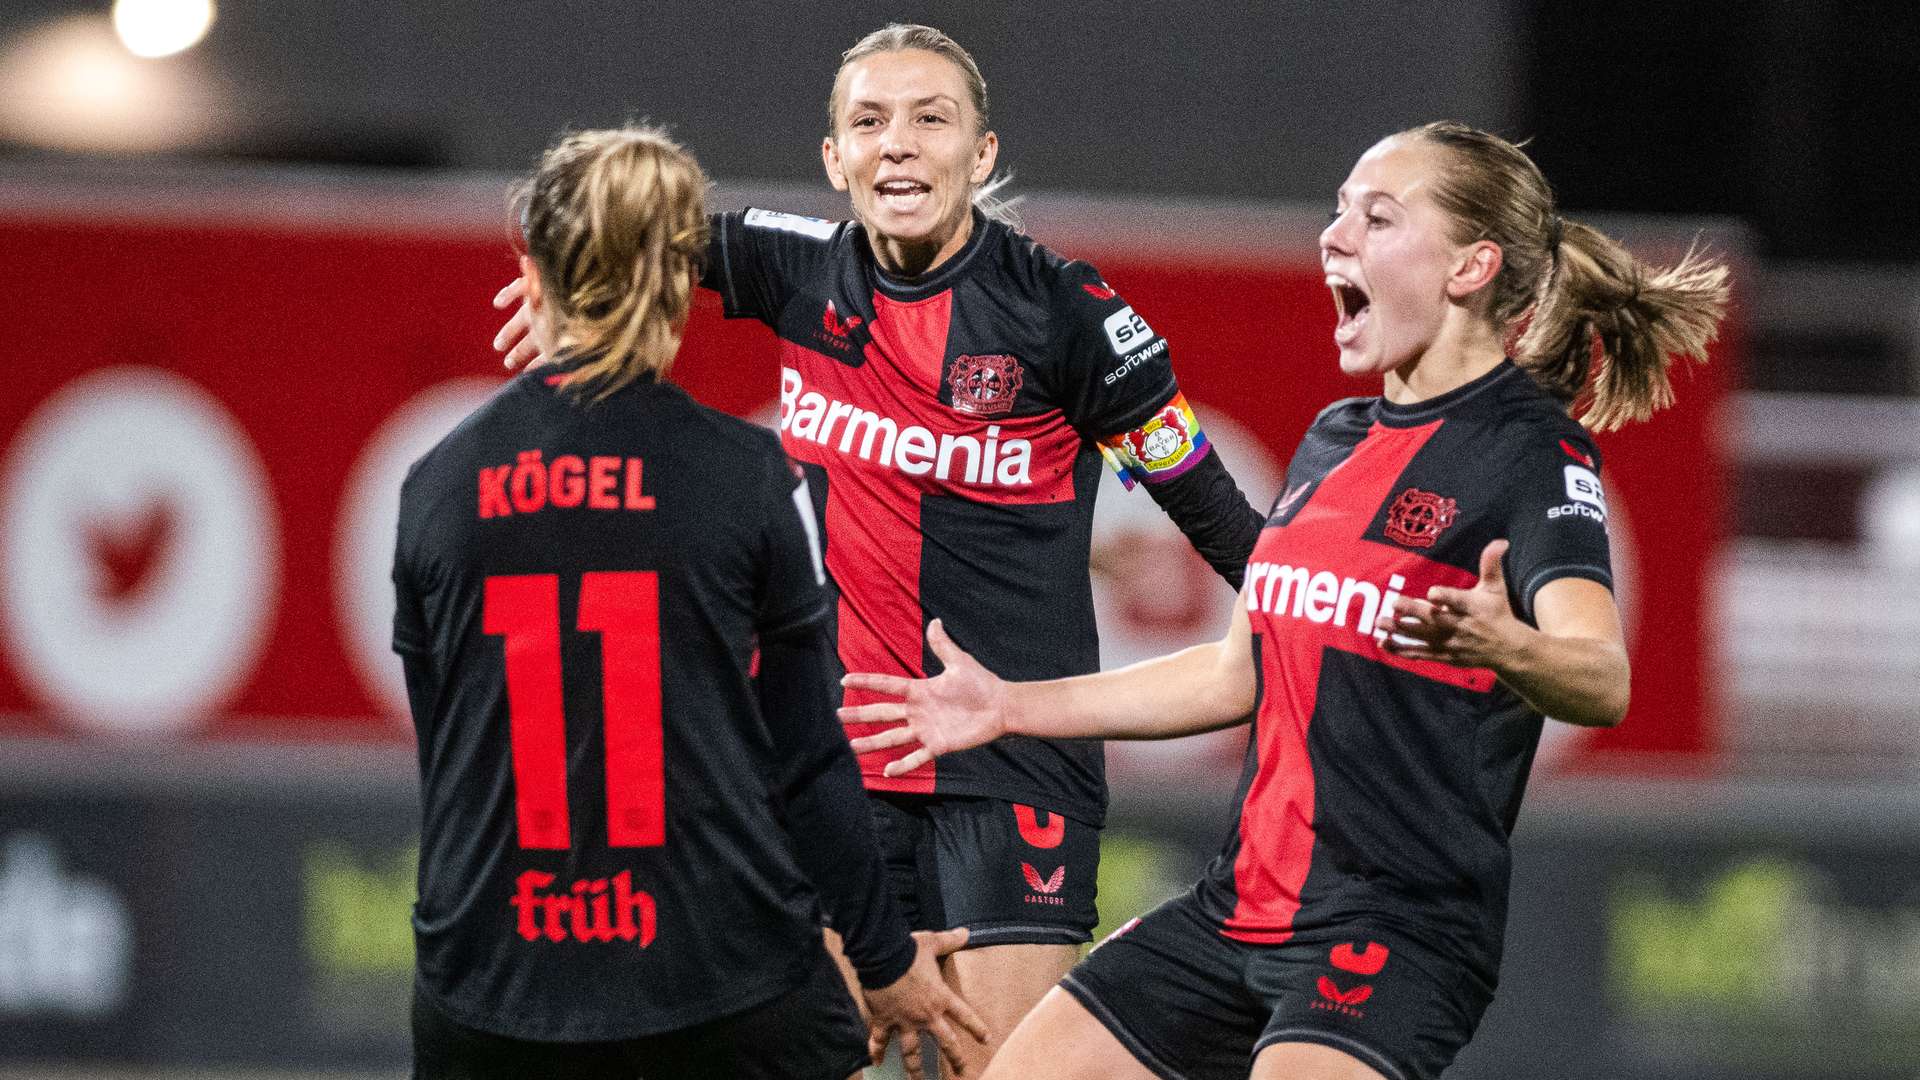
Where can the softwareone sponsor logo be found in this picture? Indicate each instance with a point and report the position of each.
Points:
(66, 944)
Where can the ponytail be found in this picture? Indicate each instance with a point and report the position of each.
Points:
(616, 222)
(1602, 329)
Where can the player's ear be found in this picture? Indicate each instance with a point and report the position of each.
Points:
(536, 295)
(984, 157)
(1474, 268)
(830, 157)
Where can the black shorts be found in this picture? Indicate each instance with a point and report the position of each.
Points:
(1192, 1004)
(1010, 874)
(812, 1032)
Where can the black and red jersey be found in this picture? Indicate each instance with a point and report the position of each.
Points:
(605, 803)
(1380, 789)
(952, 429)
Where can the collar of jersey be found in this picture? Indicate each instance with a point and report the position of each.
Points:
(943, 276)
(1420, 412)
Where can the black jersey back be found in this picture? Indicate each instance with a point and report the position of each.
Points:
(1381, 789)
(952, 429)
(580, 590)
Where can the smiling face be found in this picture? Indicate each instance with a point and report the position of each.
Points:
(906, 147)
(1397, 276)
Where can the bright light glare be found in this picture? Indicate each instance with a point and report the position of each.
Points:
(72, 85)
(153, 28)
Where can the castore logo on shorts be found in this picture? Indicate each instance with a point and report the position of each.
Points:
(1346, 1000)
(1045, 887)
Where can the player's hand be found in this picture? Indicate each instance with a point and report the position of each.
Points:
(921, 999)
(1472, 628)
(514, 338)
(963, 707)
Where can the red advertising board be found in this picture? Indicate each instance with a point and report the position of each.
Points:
(208, 410)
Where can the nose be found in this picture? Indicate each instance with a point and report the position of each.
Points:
(898, 143)
(1336, 238)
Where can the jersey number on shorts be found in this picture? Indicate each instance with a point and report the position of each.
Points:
(624, 609)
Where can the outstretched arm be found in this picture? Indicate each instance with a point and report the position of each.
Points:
(1202, 688)
(1573, 668)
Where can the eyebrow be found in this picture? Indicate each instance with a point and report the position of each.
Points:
(1371, 193)
(934, 99)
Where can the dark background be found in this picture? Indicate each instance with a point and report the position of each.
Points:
(1792, 114)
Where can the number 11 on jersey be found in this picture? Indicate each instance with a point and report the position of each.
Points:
(624, 609)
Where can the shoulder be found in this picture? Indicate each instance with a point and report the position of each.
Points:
(1343, 414)
(792, 240)
(819, 231)
(729, 433)
(1539, 428)
(473, 434)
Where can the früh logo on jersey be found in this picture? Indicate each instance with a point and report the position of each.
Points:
(1417, 518)
(1045, 887)
(985, 385)
(599, 909)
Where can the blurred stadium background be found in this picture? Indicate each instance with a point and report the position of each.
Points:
(246, 281)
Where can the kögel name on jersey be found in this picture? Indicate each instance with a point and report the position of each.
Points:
(1319, 596)
(983, 459)
(532, 484)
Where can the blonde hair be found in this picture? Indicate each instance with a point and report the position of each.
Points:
(902, 37)
(616, 222)
(1601, 328)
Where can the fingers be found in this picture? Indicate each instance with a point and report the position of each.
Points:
(1490, 572)
(877, 1039)
(883, 740)
(882, 712)
(910, 1052)
(942, 942)
(513, 330)
(909, 763)
(890, 685)
(515, 289)
(962, 1011)
(943, 646)
(526, 354)
(949, 1045)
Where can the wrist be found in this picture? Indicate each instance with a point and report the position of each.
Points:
(1015, 709)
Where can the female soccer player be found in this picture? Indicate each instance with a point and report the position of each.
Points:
(621, 840)
(950, 387)
(1433, 580)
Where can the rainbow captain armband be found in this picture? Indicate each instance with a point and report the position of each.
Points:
(1169, 443)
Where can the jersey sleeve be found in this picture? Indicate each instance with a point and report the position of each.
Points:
(828, 822)
(411, 636)
(756, 260)
(1116, 384)
(792, 592)
(1558, 522)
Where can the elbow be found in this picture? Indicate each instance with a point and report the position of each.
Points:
(1613, 710)
(1610, 706)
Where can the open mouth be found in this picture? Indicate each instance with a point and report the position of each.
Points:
(1350, 301)
(901, 194)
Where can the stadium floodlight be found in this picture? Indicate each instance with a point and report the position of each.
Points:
(155, 28)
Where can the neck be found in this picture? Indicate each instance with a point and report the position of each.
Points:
(1466, 348)
(918, 258)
